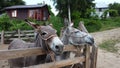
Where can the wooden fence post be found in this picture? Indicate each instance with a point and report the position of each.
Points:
(87, 56)
(94, 49)
(2, 37)
(19, 33)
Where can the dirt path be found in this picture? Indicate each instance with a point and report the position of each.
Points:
(106, 35)
(105, 59)
(108, 60)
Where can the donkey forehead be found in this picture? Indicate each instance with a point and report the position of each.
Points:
(49, 30)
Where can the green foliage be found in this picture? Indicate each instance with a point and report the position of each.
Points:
(93, 25)
(57, 23)
(76, 15)
(79, 6)
(110, 23)
(113, 13)
(4, 22)
(49, 8)
(12, 24)
(109, 45)
(6, 3)
(104, 15)
(89, 11)
(115, 6)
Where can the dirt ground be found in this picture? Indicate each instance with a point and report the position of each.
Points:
(4, 63)
(105, 59)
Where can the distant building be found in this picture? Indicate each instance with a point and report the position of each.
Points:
(38, 12)
(101, 8)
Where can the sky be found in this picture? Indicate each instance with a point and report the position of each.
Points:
(99, 3)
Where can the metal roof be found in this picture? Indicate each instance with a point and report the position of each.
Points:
(25, 6)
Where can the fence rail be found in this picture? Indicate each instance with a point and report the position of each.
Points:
(17, 53)
(7, 36)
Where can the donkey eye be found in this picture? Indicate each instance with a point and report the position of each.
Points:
(76, 31)
(44, 33)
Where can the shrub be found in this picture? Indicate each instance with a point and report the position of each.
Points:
(57, 23)
(93, 25)
(5, 22)
(113, 13)
(75, 15)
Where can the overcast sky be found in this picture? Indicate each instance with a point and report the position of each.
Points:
(99, 3)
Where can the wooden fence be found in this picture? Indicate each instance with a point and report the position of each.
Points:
(85, 57)
(85, 52)
(7, 36)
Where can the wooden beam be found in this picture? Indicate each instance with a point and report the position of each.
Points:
(19, 33)
(59, 64)
(87, 57)
(16, 53)
(2, 37)
(11, 54)
(94, 57)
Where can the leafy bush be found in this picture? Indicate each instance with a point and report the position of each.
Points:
(113, 13)
(75, 15)
(91, 24)
(57, 23)
(8, 24)
(5, 22)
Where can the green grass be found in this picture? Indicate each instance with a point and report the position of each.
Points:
(110, 23)
(110, 45)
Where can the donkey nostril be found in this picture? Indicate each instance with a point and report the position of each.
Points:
(57, 47)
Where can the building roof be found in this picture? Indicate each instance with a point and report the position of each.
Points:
(25, 6)
(101, 5)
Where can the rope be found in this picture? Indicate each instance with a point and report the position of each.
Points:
(50, 52)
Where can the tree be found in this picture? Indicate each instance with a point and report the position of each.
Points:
(6, 3)
(49, 8)
(79, 6)
(115, 6)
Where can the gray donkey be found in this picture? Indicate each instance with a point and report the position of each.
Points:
(75, 37)
(46, 38)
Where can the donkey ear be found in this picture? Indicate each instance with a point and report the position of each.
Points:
(33, 25)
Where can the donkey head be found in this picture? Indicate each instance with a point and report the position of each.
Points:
(48, 34)
(76, 37)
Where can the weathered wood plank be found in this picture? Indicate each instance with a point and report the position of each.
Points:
(87, 57)
(19, 33)
(26, 31)
(11, 54)
(59, 64)
(94, 57)
(16, 53)
(2, 37)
